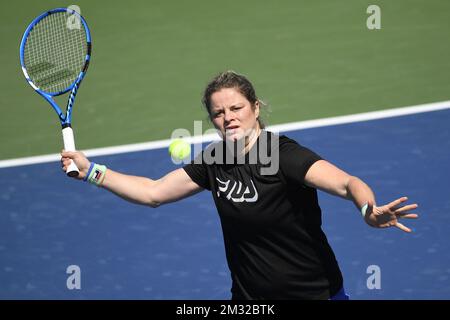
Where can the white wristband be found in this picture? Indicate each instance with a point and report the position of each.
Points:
(363, 210)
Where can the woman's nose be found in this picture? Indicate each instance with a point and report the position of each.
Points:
(228, 116)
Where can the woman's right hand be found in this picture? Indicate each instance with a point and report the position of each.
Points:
(80, 160)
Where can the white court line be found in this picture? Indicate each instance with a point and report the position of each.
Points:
(210, 137)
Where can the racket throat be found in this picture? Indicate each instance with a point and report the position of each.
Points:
(62, 118)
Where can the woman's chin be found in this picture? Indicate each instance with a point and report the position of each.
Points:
(233, 137)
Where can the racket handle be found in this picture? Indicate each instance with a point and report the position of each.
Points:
(69, 145)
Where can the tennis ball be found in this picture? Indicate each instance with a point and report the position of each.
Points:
(179, 149)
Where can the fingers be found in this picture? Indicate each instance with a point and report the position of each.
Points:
(68, 154)
(66, 157)
(397, 202)
(407, 215)
(65, 162)
(407, 208)
(403, 212)
(390, 214)
(402, 227)
(77, 157)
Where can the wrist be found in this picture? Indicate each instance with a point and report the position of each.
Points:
(91, 165)
(95, 174)
(364, 210)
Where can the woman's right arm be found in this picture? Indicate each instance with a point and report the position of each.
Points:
(174, 186)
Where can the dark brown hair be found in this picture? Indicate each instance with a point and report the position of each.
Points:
(231, 79)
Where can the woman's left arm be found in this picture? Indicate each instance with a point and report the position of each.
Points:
(329, 178)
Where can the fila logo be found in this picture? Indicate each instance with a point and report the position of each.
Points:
(97, 175)
(236, 192)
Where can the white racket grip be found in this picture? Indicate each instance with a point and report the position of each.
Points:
(69, 145)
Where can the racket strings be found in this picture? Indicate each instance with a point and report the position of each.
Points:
(55, 52)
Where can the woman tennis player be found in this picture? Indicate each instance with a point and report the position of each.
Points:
(271, 221)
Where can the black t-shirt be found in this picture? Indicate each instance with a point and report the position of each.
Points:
(271, 223)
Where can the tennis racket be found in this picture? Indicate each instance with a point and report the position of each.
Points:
(54, 54)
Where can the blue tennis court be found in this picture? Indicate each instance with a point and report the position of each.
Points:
(125, 251)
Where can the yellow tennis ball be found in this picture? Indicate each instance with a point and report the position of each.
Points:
(179, 149)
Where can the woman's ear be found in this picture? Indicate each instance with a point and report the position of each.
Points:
(257, 109)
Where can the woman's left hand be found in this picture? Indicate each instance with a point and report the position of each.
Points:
(390, 214)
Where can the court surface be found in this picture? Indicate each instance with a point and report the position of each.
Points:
(125, 251)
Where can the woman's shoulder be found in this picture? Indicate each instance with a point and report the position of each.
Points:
(289, 147)
(283, 140)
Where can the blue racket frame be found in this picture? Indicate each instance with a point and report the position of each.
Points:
(66, 118)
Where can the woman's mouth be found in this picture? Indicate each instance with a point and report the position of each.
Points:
(231, 128)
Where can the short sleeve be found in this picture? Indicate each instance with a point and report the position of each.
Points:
(198, 172)
(295, 160)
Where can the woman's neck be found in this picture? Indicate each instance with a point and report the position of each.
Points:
(251, 139)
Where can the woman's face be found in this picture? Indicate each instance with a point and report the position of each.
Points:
(233, 115)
